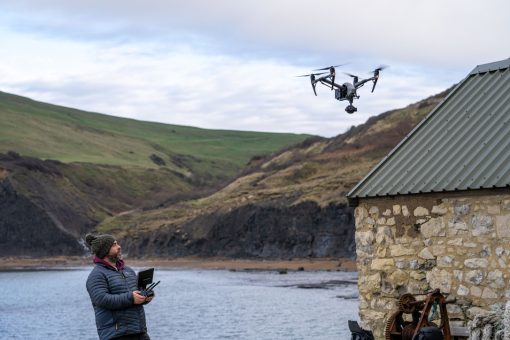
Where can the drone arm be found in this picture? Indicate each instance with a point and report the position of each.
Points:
(362, 82)
(313, 87)
(322, 78)
(326, 81)
(375, 83)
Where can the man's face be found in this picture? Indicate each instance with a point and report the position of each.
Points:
(115, 254)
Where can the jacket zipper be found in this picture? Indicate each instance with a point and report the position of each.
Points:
(125, 279)
(125, 284)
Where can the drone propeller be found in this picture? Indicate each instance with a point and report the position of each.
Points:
(329, 67)
(376, 75)
(380, 68)
(312, 74)
(312, 79)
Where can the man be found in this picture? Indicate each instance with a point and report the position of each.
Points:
(112, 287)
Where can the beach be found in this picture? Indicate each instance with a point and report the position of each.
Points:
(63, 262)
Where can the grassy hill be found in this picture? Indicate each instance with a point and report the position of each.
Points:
(63, 171)
(48, 131)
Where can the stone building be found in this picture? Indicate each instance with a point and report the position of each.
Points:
(435, 213)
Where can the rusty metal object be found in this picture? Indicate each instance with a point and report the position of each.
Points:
(407, 303)
(397, 328)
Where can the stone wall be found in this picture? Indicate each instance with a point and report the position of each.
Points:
(411, 244)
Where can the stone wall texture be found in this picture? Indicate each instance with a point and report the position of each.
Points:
(459, 244)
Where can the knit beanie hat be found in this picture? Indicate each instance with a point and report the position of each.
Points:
(100, 244)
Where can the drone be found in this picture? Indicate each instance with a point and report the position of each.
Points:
(346, 91)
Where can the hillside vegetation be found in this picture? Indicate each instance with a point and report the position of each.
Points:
(47, 131)
(63, 171)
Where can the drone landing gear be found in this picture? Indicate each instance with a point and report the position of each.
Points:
(350, 109)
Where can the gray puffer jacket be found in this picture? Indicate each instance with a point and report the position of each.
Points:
(111, 293)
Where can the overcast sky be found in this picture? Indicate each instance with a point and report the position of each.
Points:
(232, 64)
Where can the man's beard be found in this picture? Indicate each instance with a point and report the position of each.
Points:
(115, 258)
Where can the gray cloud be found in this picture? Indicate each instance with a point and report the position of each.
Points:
(430, 32)
(231, 64)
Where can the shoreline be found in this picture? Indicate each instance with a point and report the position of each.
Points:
(12, 263)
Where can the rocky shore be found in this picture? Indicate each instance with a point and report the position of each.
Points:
(213, 263)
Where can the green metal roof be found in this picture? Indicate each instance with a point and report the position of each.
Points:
(463, 144)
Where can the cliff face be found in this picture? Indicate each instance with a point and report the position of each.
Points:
(264, 231)
(46, 207)
(28, 230)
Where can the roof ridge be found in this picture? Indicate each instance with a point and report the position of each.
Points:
(494, 66)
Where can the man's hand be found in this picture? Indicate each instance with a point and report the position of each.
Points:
(138, 298)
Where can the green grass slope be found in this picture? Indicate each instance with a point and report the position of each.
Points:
(48, 131)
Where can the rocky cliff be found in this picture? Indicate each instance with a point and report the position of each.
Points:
(48, 206)
(255, 230)
(27, 229)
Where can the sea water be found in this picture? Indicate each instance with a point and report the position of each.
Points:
(189, 304)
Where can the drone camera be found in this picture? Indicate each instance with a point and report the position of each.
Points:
(350, 109)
